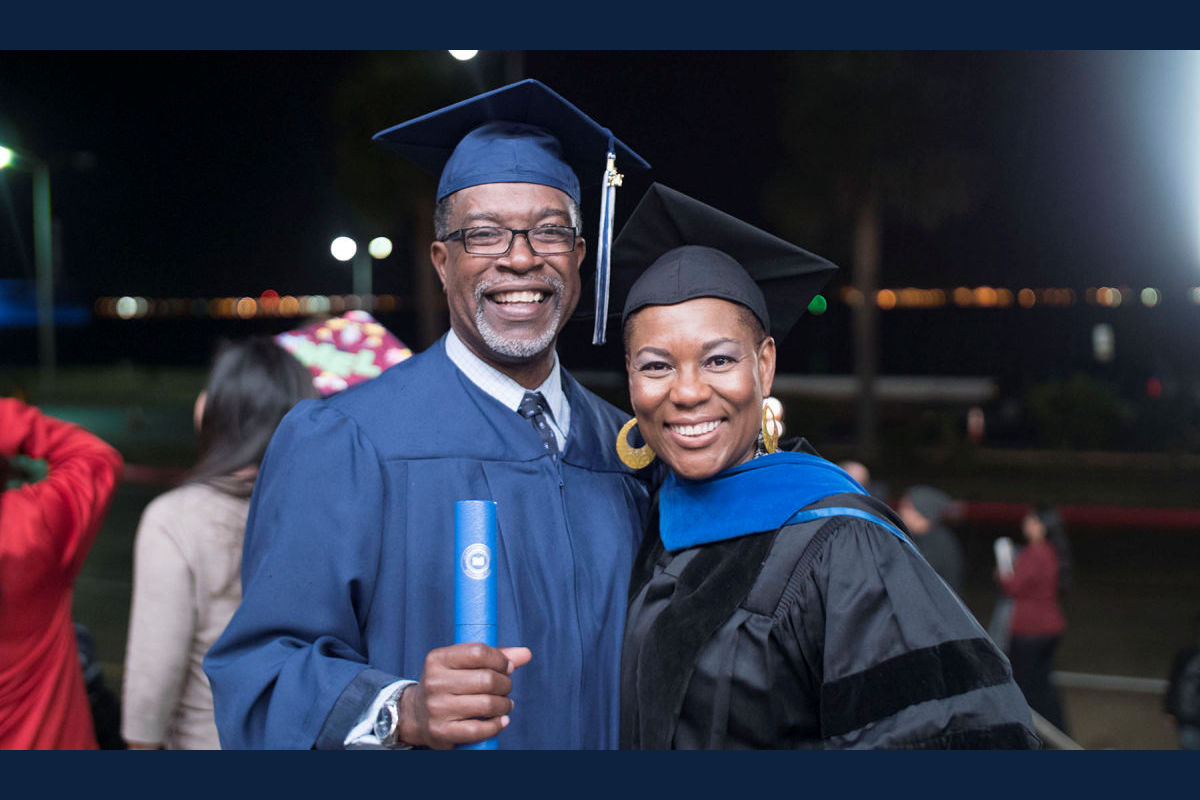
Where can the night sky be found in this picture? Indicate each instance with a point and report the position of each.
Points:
(223, 173)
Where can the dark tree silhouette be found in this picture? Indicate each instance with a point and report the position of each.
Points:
(865, 136)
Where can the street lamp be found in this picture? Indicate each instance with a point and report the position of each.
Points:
(344, 248)
(41, 253)
(514, 62)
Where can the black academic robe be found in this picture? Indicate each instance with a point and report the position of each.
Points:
(831, 633)
(349, 559)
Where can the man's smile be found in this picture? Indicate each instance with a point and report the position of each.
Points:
(519, 296)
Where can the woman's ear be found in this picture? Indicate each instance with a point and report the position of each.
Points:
(766, 365)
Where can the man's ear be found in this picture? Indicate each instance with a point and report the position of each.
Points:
(439, 254)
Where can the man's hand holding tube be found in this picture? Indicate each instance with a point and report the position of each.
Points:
(462, 695)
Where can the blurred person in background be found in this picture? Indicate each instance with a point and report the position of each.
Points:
(103, 701)
(862, 474)
(188, 548)
(1182, 700)
(47, 528)
(858, 471)
(1041, 574)
(923, 509)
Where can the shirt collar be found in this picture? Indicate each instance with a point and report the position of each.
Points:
(507, 391)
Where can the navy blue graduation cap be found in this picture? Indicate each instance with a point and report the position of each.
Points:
(522, 133)
(675, 248)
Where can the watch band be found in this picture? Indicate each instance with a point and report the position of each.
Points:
(387, 721)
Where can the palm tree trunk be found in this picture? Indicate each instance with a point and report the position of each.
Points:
(867, 247)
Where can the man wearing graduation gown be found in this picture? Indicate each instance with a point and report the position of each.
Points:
(345, 634)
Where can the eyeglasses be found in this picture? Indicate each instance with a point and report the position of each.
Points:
(545, 240)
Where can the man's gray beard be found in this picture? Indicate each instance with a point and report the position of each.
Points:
(519, 348)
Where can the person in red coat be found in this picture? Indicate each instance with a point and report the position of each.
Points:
(46, 530)
(1040, 573)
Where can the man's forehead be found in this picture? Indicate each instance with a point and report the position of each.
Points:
(504, 200)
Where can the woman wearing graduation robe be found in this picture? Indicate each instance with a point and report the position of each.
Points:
(774, 603)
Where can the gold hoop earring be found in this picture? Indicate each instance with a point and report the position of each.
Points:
(632, 457)
(771, 428)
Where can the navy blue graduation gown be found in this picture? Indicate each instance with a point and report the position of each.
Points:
(348, 566)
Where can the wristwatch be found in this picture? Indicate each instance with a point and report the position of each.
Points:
(387, 721)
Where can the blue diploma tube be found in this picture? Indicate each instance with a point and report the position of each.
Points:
(475, 580)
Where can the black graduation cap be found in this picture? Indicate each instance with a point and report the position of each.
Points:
(675, 248)
(521, 133)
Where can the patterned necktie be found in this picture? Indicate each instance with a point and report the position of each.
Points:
(533, 408)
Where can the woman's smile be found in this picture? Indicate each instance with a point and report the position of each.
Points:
(695, 432)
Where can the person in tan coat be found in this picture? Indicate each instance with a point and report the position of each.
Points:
(188, 548)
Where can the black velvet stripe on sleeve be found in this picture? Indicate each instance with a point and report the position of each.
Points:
(931, 673)
(1008, 736)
